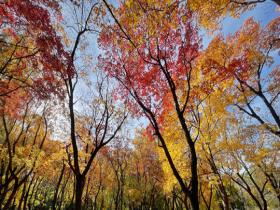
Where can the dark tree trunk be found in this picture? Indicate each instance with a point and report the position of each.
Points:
(11, 197)
(22, 196)
(80, 183)
(27, 193)
(63, 190)
(194, 179)
(57, 187)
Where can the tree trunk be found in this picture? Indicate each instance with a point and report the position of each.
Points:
(27, 193)
(80, 183)
(22, 196)
(57, 187)
(63, 190)
(194, 179)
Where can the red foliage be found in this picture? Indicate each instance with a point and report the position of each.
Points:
(139, 70)
(32, 20)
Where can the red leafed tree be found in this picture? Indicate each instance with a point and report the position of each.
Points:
(152, 50)
(34, 56)
(33, 63)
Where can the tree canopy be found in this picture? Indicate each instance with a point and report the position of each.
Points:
(139, 104)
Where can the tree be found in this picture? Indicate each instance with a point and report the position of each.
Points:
(156, 63)
(248, 55)
(102, 122)
(33, 56)
(203, 121)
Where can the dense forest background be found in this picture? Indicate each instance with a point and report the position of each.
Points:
(139, 104)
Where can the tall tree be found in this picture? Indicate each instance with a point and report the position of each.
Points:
(152, 50)
(103, 119)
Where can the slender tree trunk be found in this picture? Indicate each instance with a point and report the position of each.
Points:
(220, 184)
(97, 193)
(225, 197)
(27, 193)
(102, 201)
(29, 198)
(118, 194)
(57, 187)
(36, 192)
(22, 196)
(63, 190)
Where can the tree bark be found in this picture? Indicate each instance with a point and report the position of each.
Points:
(80, 183)
(57, 187)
